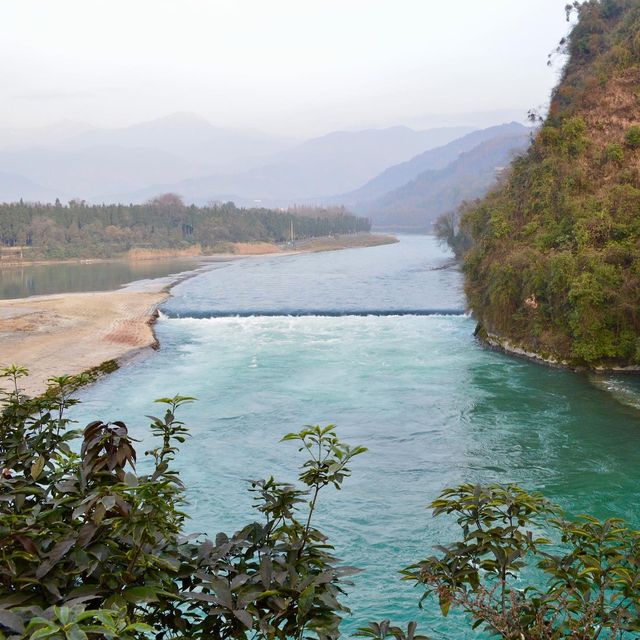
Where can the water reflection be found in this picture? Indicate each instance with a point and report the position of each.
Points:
(22, 282)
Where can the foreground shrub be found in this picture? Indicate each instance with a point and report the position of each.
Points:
(522, 571)
(93, 549)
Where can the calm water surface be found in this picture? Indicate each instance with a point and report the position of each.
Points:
(42, 279)
(432, 406)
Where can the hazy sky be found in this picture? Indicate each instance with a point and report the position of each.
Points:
(284, 66)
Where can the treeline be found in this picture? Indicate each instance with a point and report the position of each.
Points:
(554, 263)
(80, 230)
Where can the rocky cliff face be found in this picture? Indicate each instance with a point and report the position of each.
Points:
(554, 266)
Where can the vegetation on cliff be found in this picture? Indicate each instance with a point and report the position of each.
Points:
(102, 231)
(554, 264)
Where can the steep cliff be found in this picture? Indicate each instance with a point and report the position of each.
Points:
(554, 267)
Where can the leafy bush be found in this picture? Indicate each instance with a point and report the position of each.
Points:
(614, 153)
(93, 549)
(632, 136)
(523, 571)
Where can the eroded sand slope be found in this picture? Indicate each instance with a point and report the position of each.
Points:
(70, 333)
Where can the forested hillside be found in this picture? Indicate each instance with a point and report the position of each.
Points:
(80, 230)
(555, 263)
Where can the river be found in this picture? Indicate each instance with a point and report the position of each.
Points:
(23, 281)
(376, 341)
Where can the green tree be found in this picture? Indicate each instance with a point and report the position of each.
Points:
(449, 232)
(164, 222)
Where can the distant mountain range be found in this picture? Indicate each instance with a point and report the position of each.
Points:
(433, 159)
(415, 205)
(399, 177)
(89, 172)
(188, 137)
(14, 187)
(91, 163)
(185, 154)
(412, 194)
(336, 162)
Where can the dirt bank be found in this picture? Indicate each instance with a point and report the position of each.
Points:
(70, 333)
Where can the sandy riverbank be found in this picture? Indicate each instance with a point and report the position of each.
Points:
(70, 333)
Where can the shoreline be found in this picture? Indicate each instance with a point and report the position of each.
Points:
(504, 345)
(73, 333)
(70, 334)
(240, 250)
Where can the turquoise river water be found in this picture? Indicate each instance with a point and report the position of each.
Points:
(376, 341)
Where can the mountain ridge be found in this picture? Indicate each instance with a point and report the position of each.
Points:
(313, 168)
(180, 151)
(437, 158)
(417, 204)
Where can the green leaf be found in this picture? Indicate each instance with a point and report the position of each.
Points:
(139, 626)
(76, 633)
(137, 595)
(45, 632)
(63, 614)
(445, 605)
(306, 600)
